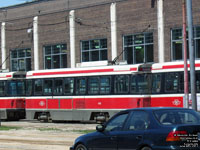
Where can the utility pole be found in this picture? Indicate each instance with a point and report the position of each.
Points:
(192, 58)
(186, 90)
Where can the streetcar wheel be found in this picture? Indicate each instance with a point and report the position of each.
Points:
(80, 147)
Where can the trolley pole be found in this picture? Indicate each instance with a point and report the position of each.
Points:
(186, 90)
(191, 52)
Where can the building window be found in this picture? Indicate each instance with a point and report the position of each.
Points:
(20, 60)
(177, 44)
(55, 56)
(94, 50)
(138, 48)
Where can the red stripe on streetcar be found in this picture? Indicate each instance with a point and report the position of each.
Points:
(175, 66)
(133, 69)
(73, 72)
(88, 103)
(12, 103)
(8, 76)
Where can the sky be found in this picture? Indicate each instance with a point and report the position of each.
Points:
(5, 3)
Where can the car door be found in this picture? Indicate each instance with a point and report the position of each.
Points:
(134, 130)
(107, 139)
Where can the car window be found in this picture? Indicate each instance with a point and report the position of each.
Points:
(171, 117)
(116, 124)
(139, 120)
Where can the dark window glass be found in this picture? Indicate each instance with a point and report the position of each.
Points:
(133, 84)
(172, 117)
(28, 64)
(68, 86)
(103, 43)
(14, 65)
(128, 40)
(21, 87)
(103, 55)
(81, 86)
(156, 83)
(29, 87)
(139, 120)
(122, 84)
(149, 53)
(38, 87)
(56, 61)
(95, 55)
(139, 54)
(138, 48)
(171, 82)
(15, 88)
(85, 45)
(139, 39)
(177, 53)
(140, 84)
(58, 87)
(117, 123)
(55, 56)
(198, 48)
(93, 85)
(2, 88)
(95, 44)
(48, 50)
(181, 82)
(64, 61)
(12, 88)
(48, 62)
(56, 49)
(143, 83)
(177, 44)
(198, 81)
(21, 60)
(105, 87)
(94, 50)
(21, 53)
(177, 34)
(48, 85)
(128, 55)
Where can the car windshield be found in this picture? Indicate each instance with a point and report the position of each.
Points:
(172, 117)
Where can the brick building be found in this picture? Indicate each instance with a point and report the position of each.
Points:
(47, 34)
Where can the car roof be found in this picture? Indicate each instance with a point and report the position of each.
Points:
(157, 108)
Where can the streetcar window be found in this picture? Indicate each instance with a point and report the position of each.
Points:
(171, 82)
(105, 86)
(12, 88)
(198, 81)
(48, 85)
(16, 88)
(20, 87)
(38, 87)
(133, 84)
(122, 84)
(68, 86)
(181, 82)
(143, 83)
(2, 88)
(93, 85)
(81, 86)
(140, 84)
(58, 87)
(28, 87)
(156, 83)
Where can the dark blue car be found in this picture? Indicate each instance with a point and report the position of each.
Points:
(145, 129)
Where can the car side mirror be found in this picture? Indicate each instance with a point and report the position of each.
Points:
(100, 128)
